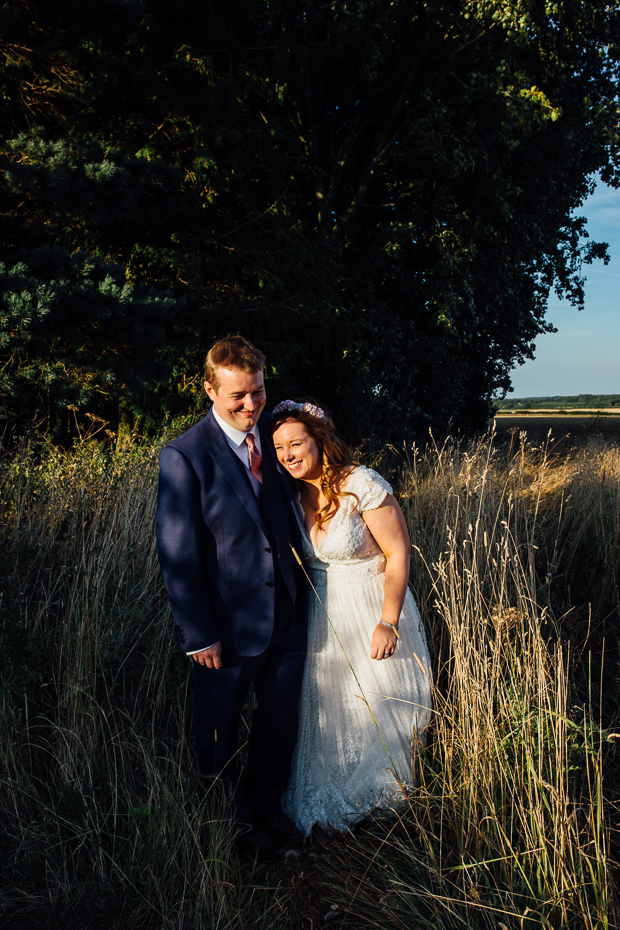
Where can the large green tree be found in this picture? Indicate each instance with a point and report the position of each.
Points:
(379, 193)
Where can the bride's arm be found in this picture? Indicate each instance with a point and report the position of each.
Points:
(387, 525)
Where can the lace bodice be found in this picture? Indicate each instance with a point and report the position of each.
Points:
(348, 538)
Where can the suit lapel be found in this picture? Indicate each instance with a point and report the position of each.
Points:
(233, 469)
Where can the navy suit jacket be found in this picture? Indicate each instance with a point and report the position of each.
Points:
(217, 544)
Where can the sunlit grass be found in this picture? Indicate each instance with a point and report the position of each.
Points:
(516, 570)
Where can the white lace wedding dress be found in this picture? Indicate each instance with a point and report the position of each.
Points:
(345, 761)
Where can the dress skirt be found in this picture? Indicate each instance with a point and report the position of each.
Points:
(361, 719)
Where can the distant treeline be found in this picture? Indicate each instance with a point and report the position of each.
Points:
(576, 400)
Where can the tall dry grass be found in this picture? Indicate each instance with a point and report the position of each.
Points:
(516, 571)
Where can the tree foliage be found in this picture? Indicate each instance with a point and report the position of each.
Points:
(379, 194)
(70, 326)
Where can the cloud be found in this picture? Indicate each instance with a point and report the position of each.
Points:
(602, 208)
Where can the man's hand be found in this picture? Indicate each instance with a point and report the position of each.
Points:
(211, 657)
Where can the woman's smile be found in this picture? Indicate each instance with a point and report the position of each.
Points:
(298, 451)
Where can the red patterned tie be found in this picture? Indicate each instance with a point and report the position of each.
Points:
(254, 457)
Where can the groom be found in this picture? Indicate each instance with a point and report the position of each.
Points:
(225, 528)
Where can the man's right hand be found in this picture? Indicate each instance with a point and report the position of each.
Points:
(211, 657)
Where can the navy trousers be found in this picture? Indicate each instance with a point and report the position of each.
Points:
(219, 695)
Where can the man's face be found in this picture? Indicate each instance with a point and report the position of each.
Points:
(240, 398)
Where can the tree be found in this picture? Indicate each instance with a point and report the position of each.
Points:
(380, 194)
(68, 329)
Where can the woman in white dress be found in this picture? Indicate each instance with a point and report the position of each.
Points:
(366, 694)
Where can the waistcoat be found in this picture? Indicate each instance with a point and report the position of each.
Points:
(276, 512)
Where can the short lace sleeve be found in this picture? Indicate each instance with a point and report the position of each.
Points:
(369, 487)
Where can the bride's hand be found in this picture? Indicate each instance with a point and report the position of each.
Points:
(383, 642)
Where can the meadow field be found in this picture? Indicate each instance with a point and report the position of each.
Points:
(514, 820)
(566, 429)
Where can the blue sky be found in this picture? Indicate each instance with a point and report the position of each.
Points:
(583, 357)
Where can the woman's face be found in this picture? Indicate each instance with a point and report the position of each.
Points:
(297, 451)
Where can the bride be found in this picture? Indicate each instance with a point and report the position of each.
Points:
(366, 691)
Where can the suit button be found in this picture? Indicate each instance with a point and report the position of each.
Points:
(269, 584)
(267, 549)
(278, 555)
(272, 519)
(277, 537)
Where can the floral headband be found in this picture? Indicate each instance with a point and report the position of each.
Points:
(307, 408)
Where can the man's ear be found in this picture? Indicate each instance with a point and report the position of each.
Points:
(210, 391)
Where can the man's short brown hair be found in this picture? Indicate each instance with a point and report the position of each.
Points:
(232, 352)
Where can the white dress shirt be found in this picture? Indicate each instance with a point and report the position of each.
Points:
(236, 441)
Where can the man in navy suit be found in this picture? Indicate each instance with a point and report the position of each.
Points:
(225, 532)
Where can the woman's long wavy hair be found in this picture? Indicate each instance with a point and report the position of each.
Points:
(335, 455)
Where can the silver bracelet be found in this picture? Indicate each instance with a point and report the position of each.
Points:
(390, 626)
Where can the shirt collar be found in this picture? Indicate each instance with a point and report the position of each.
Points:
(236, 436)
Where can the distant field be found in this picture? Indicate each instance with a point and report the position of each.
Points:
(560, 411)
(576, 403)
(574, 428)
